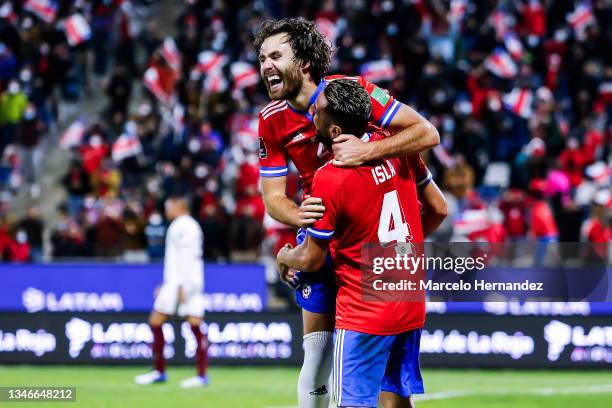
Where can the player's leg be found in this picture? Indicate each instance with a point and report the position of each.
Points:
(360, 361)
(201, 355)
(317, 297)
(403, 373)
(156, 321)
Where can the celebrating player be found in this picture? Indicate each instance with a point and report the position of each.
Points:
(181, 292)
(294, 57)
(376, 343)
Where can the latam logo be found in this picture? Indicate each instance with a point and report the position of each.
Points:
(35, 300)
(594, 345)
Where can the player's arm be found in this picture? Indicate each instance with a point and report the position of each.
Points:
(435, 208)
(307, 257)
(273, 171)
(285, 210)
(412, 133)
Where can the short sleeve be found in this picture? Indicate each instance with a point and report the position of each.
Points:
(384, 106)
(324, 186)
(272, 161)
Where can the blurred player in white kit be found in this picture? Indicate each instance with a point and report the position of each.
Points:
(181, 292)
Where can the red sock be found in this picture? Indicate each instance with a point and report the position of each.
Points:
(201, 351)
(158, 349)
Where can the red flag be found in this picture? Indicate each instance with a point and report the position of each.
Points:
(378, 71)
(77, 29)
(46, 10)
(243, 75)
(73, 135)
(152, 83)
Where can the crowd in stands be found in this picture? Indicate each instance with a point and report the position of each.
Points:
(520, 91)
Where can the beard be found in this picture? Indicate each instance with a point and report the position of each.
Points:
(292, 83)
(324, 138)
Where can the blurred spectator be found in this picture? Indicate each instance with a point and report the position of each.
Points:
(13, 104)
(77, 184)
(33, 227)
(155, 233)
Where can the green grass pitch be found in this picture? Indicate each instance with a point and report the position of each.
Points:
(110, 387)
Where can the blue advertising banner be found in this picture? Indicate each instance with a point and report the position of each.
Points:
(122, 288)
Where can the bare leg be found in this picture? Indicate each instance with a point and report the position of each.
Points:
(391, 400)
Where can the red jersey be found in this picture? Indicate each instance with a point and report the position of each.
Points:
(286, 133)
(373, 203)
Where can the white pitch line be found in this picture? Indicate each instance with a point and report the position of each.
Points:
(541, 392)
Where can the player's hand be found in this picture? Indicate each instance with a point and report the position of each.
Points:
(286, 274)
(349, 151)
(311, 210)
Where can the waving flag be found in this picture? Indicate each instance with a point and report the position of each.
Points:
(73, 135)
(457, 10)
(328, 28)
(127, 145)
(243, 75)
(378, 71)
(171, 54)
(581, 18)
(215, 82)
(513, 45)
(77, 30)
(500, 22)
(46, 10)
(152, 83)
(7, 12)
(520, 101)
(501, 64)
(210, 61)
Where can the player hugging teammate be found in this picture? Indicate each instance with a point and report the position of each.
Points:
(294, 58)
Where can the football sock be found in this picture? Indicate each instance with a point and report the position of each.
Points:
(313, 383)
(159, 361)
(201, 351)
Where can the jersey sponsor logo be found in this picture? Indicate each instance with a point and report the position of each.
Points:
(380, 96)
(298, 137)
(263, 152)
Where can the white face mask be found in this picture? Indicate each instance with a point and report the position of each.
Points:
(95, 141)
(13, 88)
(29, 114)
(21, 237)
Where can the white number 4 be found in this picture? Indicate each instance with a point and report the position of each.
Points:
(391, 227)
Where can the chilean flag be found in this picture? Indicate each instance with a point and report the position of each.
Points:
(77, 29)
(127, 145)
(581, 18)
(243, 75)
(378, 71)
(209, 61)
(499, 21)
(73, 135)
(328, 28)
(46, 10)
(152, 83)
(513, 45)
(7, 12)
(171, 54)
(520, 101)
(457, 10)
(215, 82)
(501, 64)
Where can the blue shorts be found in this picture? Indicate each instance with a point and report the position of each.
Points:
(365, 364)
(317, 293)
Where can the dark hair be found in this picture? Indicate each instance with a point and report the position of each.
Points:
(349, 105)
(307, 42)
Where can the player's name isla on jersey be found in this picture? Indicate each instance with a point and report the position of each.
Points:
(477, 285)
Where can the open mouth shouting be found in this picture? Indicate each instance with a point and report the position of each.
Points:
(275, 82)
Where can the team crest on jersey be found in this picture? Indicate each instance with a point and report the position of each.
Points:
(263, 152)
(306, 291)
(380, 96)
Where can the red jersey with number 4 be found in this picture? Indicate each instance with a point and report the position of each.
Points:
(375, 203)
(288, 134)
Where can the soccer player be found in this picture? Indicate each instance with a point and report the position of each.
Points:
(294, 57)
(181, 292)
(376, 343)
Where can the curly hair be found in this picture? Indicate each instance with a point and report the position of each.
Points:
(307, 42)
(349, 105)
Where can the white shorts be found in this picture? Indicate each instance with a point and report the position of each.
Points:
(167, 301)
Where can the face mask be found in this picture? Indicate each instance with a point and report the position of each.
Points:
(22, 237)
(29, 114)
(13, 88)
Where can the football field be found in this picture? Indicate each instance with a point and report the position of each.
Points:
(111, 387)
